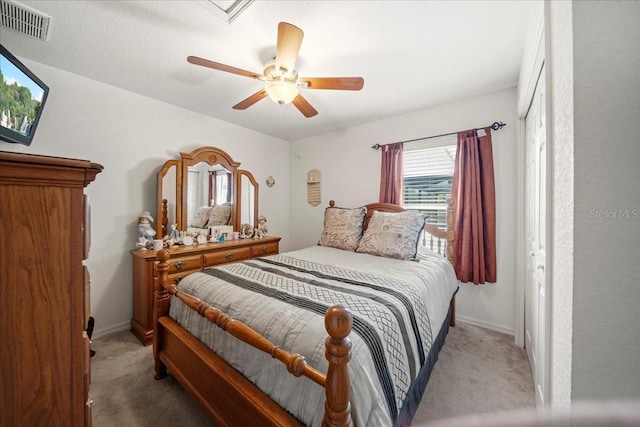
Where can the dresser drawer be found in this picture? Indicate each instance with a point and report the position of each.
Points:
(182, 264)
(176, 277)
(225, 256)
(263, 250)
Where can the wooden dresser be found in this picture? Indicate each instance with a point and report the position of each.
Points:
(44, 290)
(184, 261)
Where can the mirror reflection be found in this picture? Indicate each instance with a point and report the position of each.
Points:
(170, 195)
(208, 186)
(167, 203)
(248, 198)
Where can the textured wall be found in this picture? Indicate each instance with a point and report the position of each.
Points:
(606, 316)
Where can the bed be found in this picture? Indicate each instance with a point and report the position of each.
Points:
(386, 312)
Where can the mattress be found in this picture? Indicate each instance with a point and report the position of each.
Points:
(398, 309)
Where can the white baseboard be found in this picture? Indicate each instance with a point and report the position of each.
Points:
(485, 325)
(103, 332)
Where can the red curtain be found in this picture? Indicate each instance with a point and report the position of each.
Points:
(474, 199)
(391, 180)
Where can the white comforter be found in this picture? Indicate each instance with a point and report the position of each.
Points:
(398, 308)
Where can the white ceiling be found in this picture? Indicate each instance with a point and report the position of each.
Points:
(411, 54)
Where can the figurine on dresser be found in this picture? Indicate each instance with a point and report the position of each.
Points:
(262, 229)
(145, 231)
(173, 237)
(246, 231)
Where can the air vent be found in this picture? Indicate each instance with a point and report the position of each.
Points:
(23, 19)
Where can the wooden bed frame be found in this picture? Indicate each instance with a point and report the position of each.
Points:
(230, 398)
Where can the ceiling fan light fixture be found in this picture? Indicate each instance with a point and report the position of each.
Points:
(281, 92)
(280, 77)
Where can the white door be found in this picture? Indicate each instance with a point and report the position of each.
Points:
(535, 224)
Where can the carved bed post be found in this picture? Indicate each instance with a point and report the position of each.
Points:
(164, 221)
(337, 409)
(160, 309)
(449, 233)
(450, 236)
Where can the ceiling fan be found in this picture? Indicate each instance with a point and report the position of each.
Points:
(282, 83)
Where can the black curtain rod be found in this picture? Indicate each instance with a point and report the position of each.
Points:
(494, 126)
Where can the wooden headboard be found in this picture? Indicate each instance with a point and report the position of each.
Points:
(447, 235)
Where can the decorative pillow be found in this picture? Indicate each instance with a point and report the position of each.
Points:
(220, 215)
(393, 235)
(202, 216)
(342, 228)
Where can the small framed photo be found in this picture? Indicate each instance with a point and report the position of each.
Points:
(225, 231)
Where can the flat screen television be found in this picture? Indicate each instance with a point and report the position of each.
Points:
(22, 98)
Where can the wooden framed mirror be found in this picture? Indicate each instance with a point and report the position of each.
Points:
(207, 176)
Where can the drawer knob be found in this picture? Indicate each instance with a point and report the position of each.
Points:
(229, 256)
(265, 250)
(180, 264)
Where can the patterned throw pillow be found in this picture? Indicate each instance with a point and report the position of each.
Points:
(202, 216)
(393, 235)
(220, 215)
(342, 228)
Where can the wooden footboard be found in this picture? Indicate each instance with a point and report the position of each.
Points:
(224, 392)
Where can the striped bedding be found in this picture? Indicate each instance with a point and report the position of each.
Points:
(398, 308)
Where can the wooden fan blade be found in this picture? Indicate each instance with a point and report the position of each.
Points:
(336, 83)
(289, 41)
(222, 67)
(303, 105)
(244, 104)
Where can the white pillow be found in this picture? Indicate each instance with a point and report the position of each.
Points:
(219, 215)
(202, 216)
(342, 228)
(393, 235)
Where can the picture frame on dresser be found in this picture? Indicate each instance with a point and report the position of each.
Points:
(221, 230)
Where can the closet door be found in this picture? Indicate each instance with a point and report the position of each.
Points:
(536, 229)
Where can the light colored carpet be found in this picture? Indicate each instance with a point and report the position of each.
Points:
(478, 371)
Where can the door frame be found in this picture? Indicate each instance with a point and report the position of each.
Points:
(531, 66)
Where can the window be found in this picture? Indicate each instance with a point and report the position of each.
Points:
(428, 175)
(222, 187)
(194, 187)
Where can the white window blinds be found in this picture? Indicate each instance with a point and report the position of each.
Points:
(428, 175)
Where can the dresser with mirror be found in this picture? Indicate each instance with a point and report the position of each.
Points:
(204, 178)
